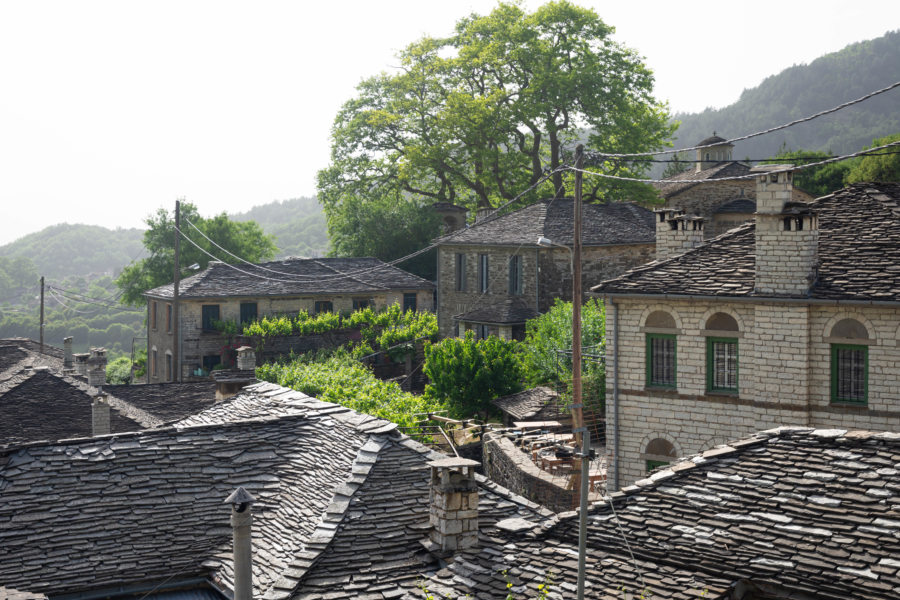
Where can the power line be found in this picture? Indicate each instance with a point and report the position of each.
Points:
(737, 177)
(759, 160)
(755, 134)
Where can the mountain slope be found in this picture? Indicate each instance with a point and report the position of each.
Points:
(297, 224)
(802, 90)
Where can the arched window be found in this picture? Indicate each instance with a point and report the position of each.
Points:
(722, 353)
(659, 453)
(849, 362)
(662, 344)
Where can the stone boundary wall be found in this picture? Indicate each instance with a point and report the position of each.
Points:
(508, 466)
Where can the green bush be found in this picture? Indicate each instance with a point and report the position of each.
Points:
(467, 374)
(341, 379)
(118, 372)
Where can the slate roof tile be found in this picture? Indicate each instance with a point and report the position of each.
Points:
(859, 254)
(295, 276)
(603, 224)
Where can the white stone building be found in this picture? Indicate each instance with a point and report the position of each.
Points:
(793, 319)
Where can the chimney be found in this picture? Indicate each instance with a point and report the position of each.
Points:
(96, 367)
(454, 504)
(81, 363)
(67, 353)
(483, 213)
(100, 415)
(241, 519)
(676, 233)
(787, 236)
(246, 359)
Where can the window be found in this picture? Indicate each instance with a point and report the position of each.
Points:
(655, 464)
(661, 360)
(210, 314)
(169, 318)
(721, 364)
(659, 453)
(153, 315)
(324, 306)
(361, 303)
(248, 312)
(409, 301)
(483, 271)
(153, 368)
(481, 332)
(515, 275)
(460, 272)
(168, 366)
(210, 361)
(849, 373)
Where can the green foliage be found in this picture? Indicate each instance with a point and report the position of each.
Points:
(298, 225)
(341, 379)
(118, 372)
(806, 89)
(680, 163)
(467, 374)
(245, 239)
(883, 167)
(818, 181)
(552, 331)
(475, 117)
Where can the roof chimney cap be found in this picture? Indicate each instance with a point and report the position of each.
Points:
(240, 499)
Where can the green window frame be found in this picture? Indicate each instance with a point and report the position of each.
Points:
(209, 315)
(849, 374)
(655, 464)
(722, 364)
(662, 360)
(248, 312)
(515, 275)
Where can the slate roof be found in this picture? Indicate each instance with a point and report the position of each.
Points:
(800, 511)
(859, 254)
(296, 276)
(713, 139)
(524, 405)
(602, 225)
(164, 402)
(688, 179)
(742, 204)
(504, 311)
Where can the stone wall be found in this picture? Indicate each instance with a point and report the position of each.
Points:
(546, 274)
(507, 465)
(784, 376)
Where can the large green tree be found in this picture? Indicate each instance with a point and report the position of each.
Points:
(884, 165)
(818, 181)
(477, 117)
(244, 239)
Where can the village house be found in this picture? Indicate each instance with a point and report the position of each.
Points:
(793, 319)
(494, 275)
(243, 293)
(273, 494)
(707, 189)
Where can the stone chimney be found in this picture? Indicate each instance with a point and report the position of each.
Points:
(787, 236)
(100, 415)
(81, 363)
(453, 217)
(676, 233)
(454, 504)
(68, 361)
(241, 519)
(246, 359)
(96, 367)
(483, 213)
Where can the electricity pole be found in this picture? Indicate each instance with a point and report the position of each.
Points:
(42, 314)
(176, 359)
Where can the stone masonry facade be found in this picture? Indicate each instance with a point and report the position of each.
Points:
(546, 275)
(197, 343)
(784, 375)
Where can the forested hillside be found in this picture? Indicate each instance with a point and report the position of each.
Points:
(297, 224)
(806, 89)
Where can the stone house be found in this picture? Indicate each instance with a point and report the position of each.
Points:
(707, 190)
(225, 292)
(793, 319)
(493, 276)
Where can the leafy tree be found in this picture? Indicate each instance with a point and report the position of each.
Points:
(118, 372)
(679, 164)
(386, 228)
(884, 166)
(467, 374)
(818, 181)
(474, 118)
(551, 332)
(245, 239)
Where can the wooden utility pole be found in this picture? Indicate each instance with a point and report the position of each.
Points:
(176, 359)
(42, 314)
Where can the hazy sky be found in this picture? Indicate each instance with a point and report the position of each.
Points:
(109, 110)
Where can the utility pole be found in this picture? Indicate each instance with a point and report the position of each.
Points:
(176, 359)
(582, 435)
(42, 314)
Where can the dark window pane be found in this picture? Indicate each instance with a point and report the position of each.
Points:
(210, 314)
